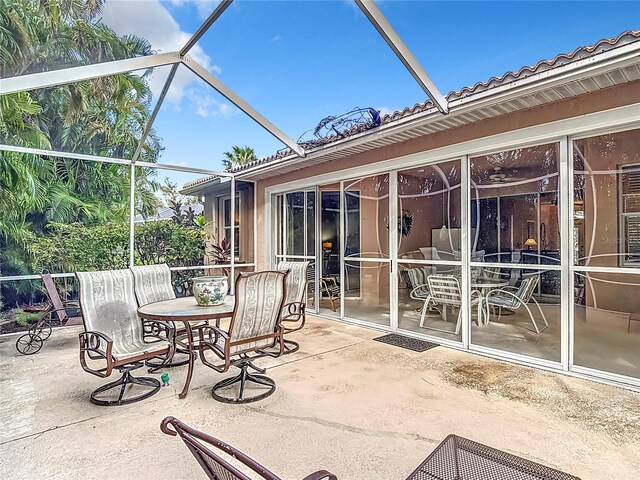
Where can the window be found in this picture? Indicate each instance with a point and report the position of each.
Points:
(225, 221)
(630, 215)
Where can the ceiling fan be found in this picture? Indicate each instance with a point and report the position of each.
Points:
(500, 175)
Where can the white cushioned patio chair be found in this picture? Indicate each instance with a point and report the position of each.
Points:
(293, 311)
(114, 337)
(444, 293)
(416, 280)
(152, 283)
(512, 298)
(255, 329)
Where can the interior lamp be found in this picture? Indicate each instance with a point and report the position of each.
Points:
(444, 233)
(327, 245)
(530, 242)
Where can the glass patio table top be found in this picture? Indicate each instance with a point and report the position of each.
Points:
(186, 309)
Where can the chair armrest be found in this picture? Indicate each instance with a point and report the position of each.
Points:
(422, 287)
(292, 311)
(505, 292)
(329, 279)
(157, 330)
(321, 474)
(96, 346)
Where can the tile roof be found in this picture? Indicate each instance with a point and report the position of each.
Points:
(579, 53)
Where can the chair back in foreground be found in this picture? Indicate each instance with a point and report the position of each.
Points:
(259, 300)
(152, 283)
(221, 461)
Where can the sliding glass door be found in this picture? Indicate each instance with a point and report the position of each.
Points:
(366, 262)
(429, 245)
(295, 233)
(606, 254)
(515, 254)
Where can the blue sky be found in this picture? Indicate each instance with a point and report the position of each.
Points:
(297, 62)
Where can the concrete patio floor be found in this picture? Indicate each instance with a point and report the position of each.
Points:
(345, 403)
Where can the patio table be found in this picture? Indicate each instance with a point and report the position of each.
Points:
(187, 311)
(458, 458)
(484, 286)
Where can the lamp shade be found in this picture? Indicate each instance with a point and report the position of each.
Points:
(327, 245)
(530, 242)
(444, 233)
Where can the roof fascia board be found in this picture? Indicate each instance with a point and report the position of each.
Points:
(234, 98)
(622, 56)
(222, 6)
(86, 72)
(411, 63)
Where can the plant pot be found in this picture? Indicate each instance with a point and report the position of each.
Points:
(210, 290)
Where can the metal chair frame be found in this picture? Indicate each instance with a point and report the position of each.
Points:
(445, 291)
(520, 299)
(209, 452)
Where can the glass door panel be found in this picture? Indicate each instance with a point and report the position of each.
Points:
(429, 244)
(329, 284)
(606, 227)
(515, 251)
(366, 274)
(295, 234)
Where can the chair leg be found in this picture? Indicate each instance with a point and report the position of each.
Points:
(459, 322)
(125, 381)
(243, 378)
(424, 311)
(535, 325)
(544, 318)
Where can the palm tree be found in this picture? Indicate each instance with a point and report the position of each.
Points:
(237, 157)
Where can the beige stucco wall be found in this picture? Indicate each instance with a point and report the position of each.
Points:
(602, 100)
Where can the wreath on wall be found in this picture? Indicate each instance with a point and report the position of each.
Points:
(405, 222)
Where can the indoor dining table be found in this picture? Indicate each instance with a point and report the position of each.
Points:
(187, 311)
(484, 286)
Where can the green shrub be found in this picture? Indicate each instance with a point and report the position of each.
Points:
(25, 318)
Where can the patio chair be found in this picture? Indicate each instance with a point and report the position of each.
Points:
(67, 313)
(220, 460)
(114, 338)
(152, 283)
(512, 298)
(329, 288)
(416, 280)
(445, 293)
(293, 311)
(254, 330)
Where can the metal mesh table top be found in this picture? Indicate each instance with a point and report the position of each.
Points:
(458, 458)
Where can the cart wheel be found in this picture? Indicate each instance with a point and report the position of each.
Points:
(29, 344)
(42, 330)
